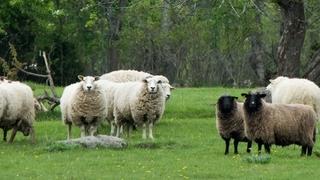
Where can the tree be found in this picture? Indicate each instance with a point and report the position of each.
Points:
(292, 37)
(256, 57)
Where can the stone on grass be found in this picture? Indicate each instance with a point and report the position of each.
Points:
(97, 141)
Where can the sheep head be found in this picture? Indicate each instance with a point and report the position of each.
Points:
(153, 84)
(253, 102)
(227, 103)
(88, 82)
(167, 88)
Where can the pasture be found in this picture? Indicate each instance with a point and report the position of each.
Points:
(186, 146)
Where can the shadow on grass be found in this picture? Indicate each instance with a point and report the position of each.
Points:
(161, 145)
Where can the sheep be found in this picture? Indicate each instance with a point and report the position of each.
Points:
(264, 90)
(139, 103)
(84, 105)
(109, 88)
(279, 124)
(295, 91)
(16, 109)
(229, 122)
(133, 75)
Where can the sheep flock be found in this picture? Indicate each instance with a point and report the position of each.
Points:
(285, 112)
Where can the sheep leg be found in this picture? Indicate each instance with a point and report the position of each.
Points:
(144, 131)
(83, 131)
(150, 131)
(121, 129)
(69, 131)
(267, 148)
(249, 145)
(309, 148)
(5, 131)
(227, 141)
(112, 128)
(128, 127)
(259, 147)
(13, 134)
(235, 143)
(93, 130)
(303, 150)
(118, 130)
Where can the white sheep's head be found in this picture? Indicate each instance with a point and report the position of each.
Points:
(153, 84)
(167, 88)
(88, 82)
(275, 82)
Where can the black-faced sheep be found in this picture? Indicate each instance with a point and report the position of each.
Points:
(230, 122)
(279, 124)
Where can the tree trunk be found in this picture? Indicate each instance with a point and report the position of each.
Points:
(256, 57)
(313, 69)
(114, 15)
(169, 65)
(292, 37)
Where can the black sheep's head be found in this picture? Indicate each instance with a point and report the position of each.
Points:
(253, 101)
(226, 103)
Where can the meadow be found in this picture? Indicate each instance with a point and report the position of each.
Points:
(186, 146)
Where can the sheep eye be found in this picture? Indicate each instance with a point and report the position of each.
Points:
(159, 81)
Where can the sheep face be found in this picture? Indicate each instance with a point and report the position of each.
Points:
(227, 103)
(88, 82)
(167, 88)
(152, 84)
(25, 129)
(253, 101)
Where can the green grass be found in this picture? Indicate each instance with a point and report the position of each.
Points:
(187, 146)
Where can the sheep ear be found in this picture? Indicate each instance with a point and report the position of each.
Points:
(145, 80)
(80, 77)
(96, 78)
(262, 95)
(244, 94)
(171, 87)
(234, 97)
(271, 81)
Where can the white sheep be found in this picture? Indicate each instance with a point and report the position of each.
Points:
(140, 103)
(133, 75)
(294, 90)
(109, 87)
(16, 109)
(84, 104)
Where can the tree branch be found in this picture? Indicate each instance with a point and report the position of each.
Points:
(30, 73)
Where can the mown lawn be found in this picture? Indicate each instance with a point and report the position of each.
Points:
(187, 146)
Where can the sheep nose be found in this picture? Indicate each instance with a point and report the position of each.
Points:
(89, 87)
(168, 96)
(152, 88)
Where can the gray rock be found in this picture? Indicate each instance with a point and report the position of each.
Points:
(97, 141)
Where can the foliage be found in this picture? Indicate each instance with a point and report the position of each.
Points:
(208, 42)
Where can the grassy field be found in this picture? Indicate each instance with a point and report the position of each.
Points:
(187, 146)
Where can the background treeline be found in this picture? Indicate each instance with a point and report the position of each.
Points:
(192, 42)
